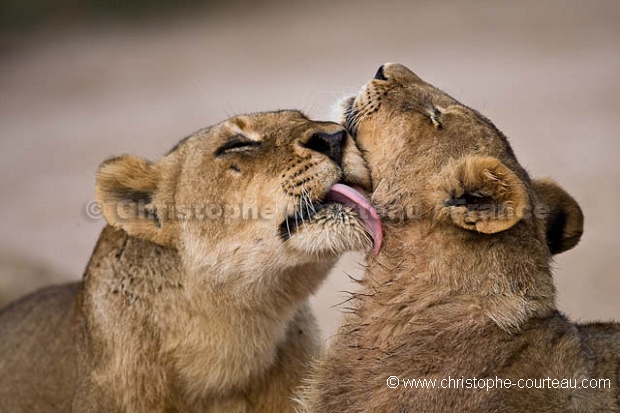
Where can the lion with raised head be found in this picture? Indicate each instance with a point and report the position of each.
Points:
(196, 296)
(462, 288)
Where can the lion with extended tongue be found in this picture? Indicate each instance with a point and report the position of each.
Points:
(196, 295)
(462, 287)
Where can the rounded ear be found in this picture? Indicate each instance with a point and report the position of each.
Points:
(124, 190)
(562, 215)
(481, 194)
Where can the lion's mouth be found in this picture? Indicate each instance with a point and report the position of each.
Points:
(338, 194)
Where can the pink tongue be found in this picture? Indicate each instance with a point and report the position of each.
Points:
(353, 198)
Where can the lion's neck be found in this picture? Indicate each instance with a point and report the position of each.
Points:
(213, 336)
(443, 276)
(241, 325)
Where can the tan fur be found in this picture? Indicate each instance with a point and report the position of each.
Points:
(182, 308)
(462, 287)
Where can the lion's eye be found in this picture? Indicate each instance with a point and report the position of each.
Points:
(237, 143)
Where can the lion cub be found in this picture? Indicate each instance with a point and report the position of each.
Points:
(462, 288)
(196, 295)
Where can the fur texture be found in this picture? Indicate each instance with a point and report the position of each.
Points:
(462, 287)
(195, 297)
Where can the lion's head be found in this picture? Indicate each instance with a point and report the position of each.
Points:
(431, 156)
(269, 190)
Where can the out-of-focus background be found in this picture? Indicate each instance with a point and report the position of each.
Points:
(83, 80)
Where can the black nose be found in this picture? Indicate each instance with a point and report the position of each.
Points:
(328, 144)
(380, 75)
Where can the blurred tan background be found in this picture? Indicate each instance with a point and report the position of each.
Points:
(80, 82)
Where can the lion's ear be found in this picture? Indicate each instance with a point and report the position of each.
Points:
(562, 214)
(482, 194)
(124, 190)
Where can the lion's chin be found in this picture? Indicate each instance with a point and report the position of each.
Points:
(335, 229)
(345, 221)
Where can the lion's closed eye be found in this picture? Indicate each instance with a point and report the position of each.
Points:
(237, 143)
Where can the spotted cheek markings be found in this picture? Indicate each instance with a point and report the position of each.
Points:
(367, 104)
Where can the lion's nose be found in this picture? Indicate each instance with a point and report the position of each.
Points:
(329, 144)
(397, 72)
(380, 75)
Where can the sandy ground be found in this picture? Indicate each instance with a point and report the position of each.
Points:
(547, 73)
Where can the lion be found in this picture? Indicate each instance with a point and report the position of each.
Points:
(195, 298)
(457, 313)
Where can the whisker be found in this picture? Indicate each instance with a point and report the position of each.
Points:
(307, 199)
(288, 228)
(294, 211)
(301, 215)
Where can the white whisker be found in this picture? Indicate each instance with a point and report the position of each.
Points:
(288, 228)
